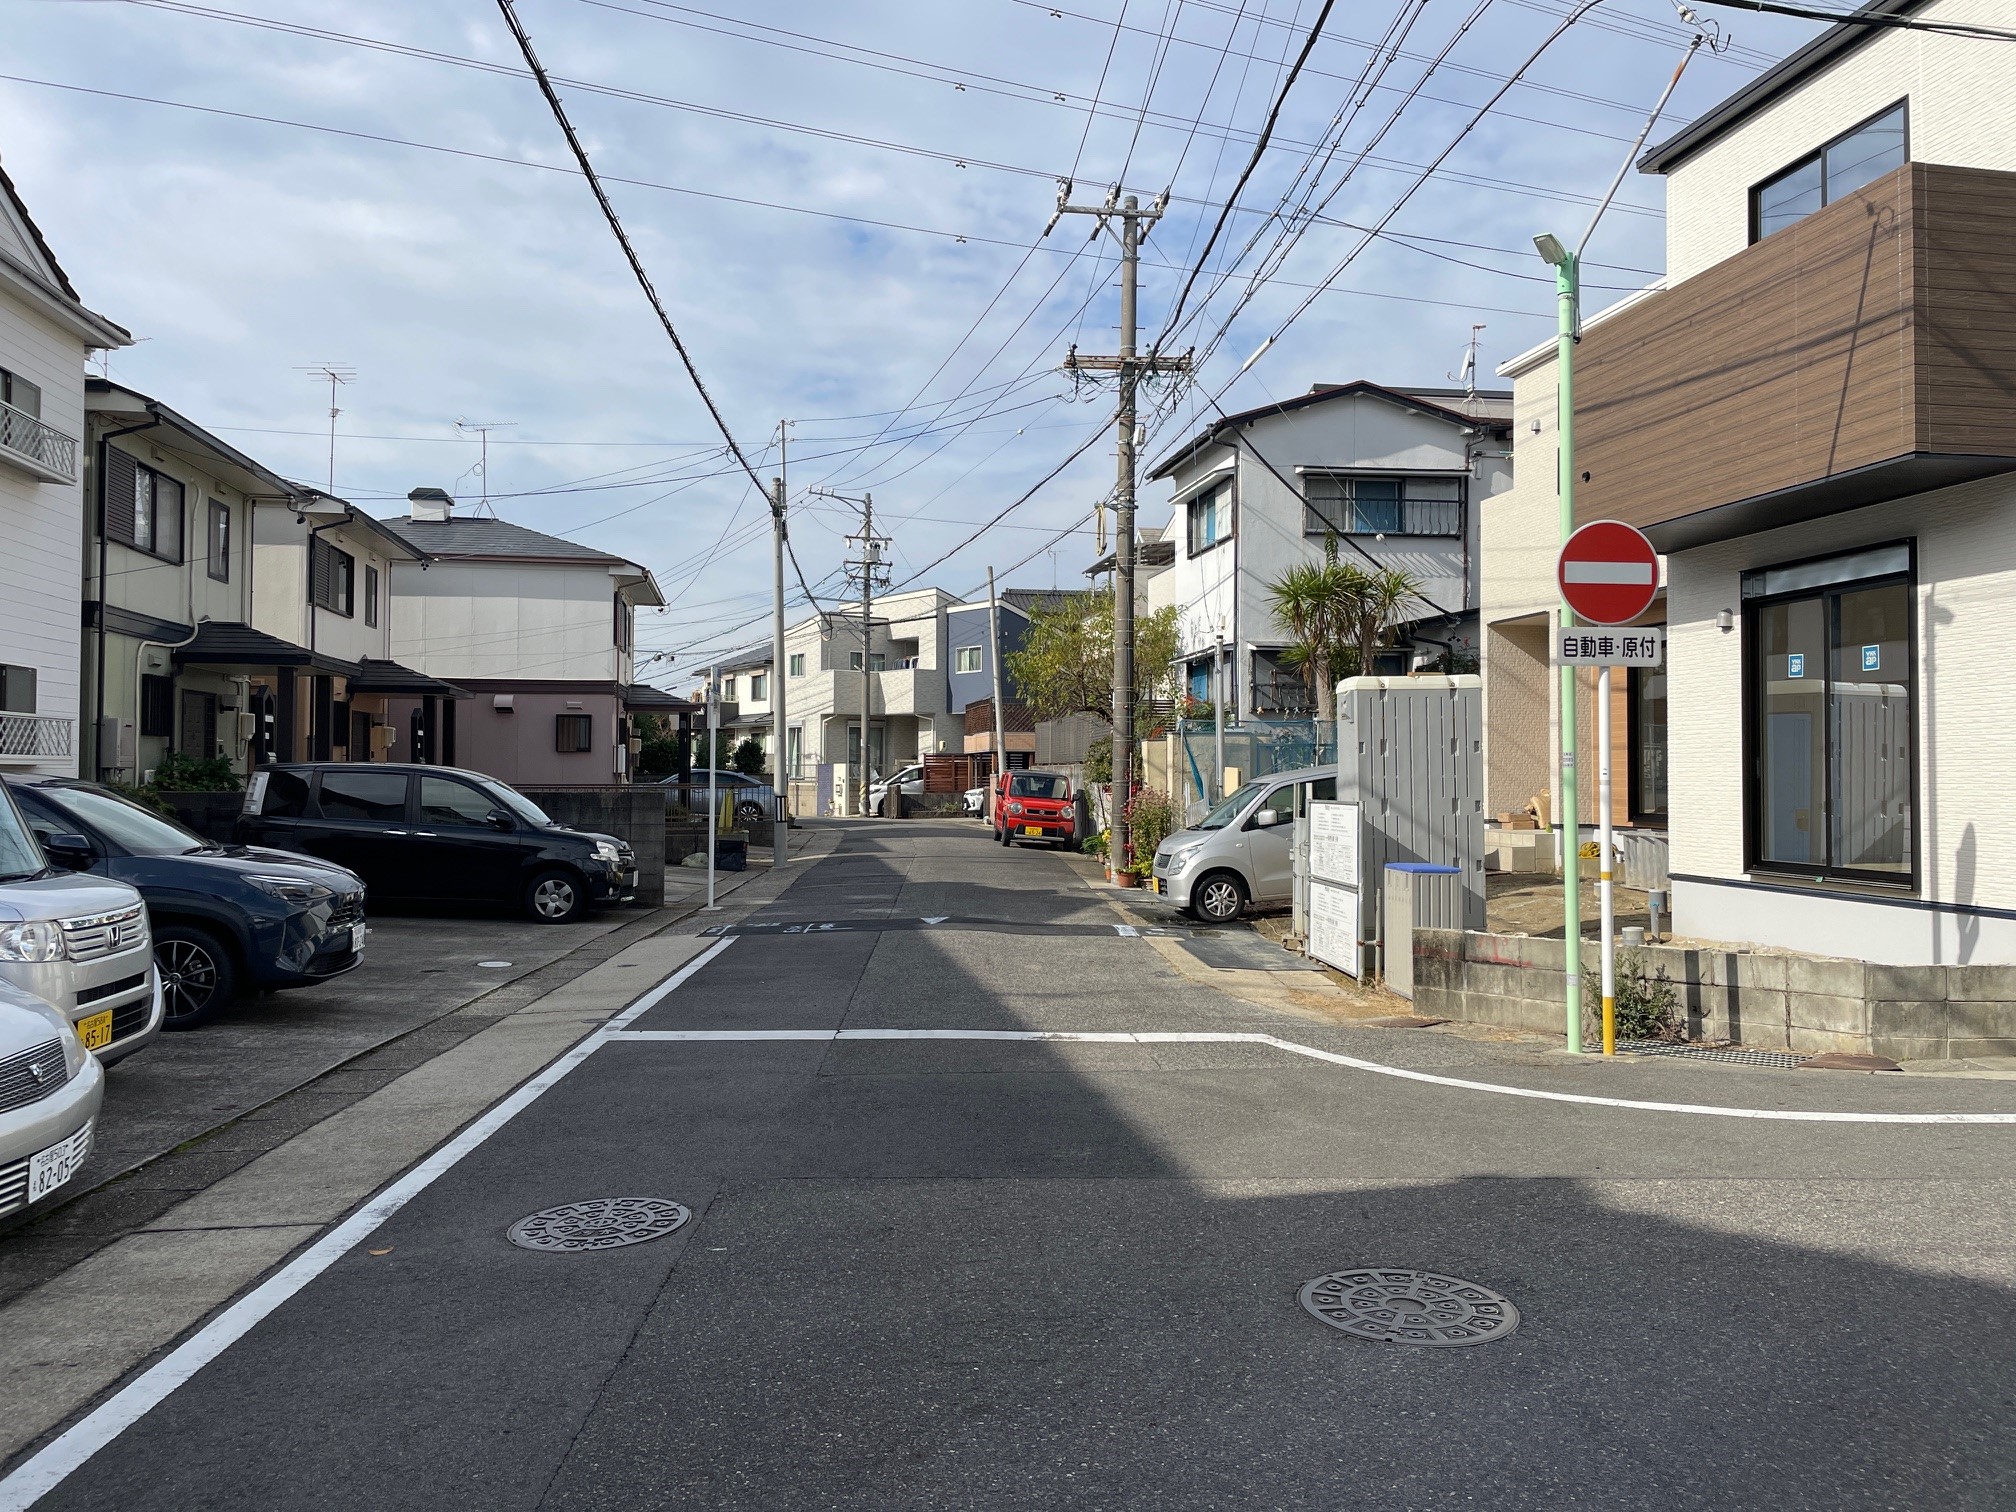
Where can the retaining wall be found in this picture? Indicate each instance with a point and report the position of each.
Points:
(1778, 1001)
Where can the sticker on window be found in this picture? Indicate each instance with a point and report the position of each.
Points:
(1872, 658)
(1795, 665)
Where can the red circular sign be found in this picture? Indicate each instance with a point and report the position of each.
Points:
(1608, 572)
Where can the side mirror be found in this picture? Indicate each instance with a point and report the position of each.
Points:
(1268, 818)
(73, 851)
(499, 820)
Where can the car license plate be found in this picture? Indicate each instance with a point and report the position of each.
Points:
(57, 1164)
(356, 937)
(96, 1031)
(1032, 829)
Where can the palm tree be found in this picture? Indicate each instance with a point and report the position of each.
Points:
(1382, 597)
(1337, 614)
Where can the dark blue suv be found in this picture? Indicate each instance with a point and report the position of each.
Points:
(225, 918)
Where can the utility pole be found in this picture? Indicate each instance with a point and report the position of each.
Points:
(994, 661)
(780, 817)
(1132, 218)
(871, 570)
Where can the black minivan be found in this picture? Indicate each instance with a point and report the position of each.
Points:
(436, 834)
(225, 918)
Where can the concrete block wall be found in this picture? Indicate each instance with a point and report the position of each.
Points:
(633, 814)
(1805, 1004)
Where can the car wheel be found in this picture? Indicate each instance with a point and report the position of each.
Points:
(555, 897)
(1219, 898)
(198, 979)
(749, 813)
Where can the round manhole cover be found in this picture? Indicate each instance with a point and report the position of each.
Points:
(1409, 1307)
(598, 1224)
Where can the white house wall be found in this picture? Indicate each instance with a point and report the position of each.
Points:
(506, 620)
(1960, 97)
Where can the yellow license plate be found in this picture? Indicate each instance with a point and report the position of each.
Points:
(96, 1031)
(1032, 829)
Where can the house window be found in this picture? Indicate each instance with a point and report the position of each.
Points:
(728, 688)
(759, 687)
(796, 664)
(1340, 505)
(371, 596)
(220, 541)
(966, 659)
(878, 662)
(20, 393)
(1209, 517)
(157, 705)
(332, 577)
(573, 733)
(143, 508)
(1831, 726)
(1645, 737)
(625, 625)
(794, 739)
(1856, 158)
(17, 690)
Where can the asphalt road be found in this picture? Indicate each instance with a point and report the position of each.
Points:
(960, 1273)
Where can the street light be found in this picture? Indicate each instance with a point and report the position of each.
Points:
(1551, 250)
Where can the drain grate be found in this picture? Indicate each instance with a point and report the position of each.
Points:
(1409, 1307)
(598, 1224)
(1782, 1060)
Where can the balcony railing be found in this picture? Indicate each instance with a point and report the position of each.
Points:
(37, 448)
(35, 737)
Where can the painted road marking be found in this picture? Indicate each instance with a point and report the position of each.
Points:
(1145, 1038)
(890, 926)
(57, 1461)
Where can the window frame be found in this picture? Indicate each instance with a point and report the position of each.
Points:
(586, 725)
(346, 579)
(794, 664)
(1824, 873)
(759, 687)
(1819, 155)
(1635, 806)
(153, 545)
(1314, 527)
(218, 542)
(10, 382)
(371, 582)
(1207, 495)
(157, 706)
(959, 655)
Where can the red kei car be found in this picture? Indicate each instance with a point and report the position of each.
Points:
(1034, 806)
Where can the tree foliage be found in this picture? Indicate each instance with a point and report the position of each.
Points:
(1337, 614)
(1065, 665)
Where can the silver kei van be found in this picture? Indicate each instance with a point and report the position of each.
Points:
(78, 942)
(1237, 856)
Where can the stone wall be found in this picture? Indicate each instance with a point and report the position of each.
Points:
(1776, 1001)
(633, 814)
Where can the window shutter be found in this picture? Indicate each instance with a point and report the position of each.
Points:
(321, 572)
(120, 473)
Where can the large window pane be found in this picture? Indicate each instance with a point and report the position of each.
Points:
(1865, 156)
(370, 796)
(1871, 729)
(1791, 731)
(1648, 742)
(1375, 505)
(1789, 197)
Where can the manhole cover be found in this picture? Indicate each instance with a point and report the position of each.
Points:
(1409, 1307)
(598, 1224)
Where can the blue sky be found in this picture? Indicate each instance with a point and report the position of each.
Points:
(479, 284)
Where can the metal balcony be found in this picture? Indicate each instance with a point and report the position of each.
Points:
(26, 738)
(40, 450)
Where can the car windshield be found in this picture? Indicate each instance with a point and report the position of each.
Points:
(1039, 785)
(125, 824)
(20, 856)
(1230, 808)
(518, 804)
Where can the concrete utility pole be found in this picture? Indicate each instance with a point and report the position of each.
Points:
(1131, 217)
(994, 661)
(780, 833)
(871, 570)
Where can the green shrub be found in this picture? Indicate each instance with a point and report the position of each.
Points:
(1099, 760)
(1648, 1004)
(179, 773)
(1151, 818)
(748, 757)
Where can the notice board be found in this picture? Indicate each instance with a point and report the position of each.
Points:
(1334, 876)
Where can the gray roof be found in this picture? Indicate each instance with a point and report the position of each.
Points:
(493, 540)
(1829, 47)
(1492, 407)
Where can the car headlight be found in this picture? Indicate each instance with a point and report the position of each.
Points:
(291, 889)
(74, 1053)
(1067, 812)
(1182, 855)
(606, 851)
(35, 940)
(1014, 808)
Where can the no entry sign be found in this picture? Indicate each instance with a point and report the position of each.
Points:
(1608, 572)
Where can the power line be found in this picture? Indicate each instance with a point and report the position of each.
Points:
(1871, 19)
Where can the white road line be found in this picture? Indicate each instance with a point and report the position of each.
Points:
(1708, 1110)
(52, 1465)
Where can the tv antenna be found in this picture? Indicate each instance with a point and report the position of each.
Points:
(483, 430)
(334, 373)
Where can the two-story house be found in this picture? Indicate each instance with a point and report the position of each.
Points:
(1814, 417)
(46, 333)
(1397, 477)
(241, 615)
(540, 631)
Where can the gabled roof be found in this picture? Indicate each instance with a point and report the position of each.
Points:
(1493, 408)
(51, 273)
(474, 538)
(20, 209)
(1824, 50)
(100, 392)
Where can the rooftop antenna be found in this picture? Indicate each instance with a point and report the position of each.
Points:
(483, 465)
(333, 373)
(1467, 374)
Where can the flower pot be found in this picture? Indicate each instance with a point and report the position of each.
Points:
(1125, 879)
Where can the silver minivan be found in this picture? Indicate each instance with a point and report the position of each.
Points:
(76, 941)
(1238, 855)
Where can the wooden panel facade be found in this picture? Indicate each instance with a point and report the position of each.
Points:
(1818, 369)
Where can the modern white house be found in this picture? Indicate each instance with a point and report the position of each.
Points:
(1814, 417)
(1398, 477)
(538, 631)
(46, 335)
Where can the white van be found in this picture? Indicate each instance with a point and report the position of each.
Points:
(1237, 856)
(78, 942)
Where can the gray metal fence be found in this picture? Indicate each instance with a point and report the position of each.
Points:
(1257, 747)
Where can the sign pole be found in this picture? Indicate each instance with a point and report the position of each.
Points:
(1603, 862)
(713, 777)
